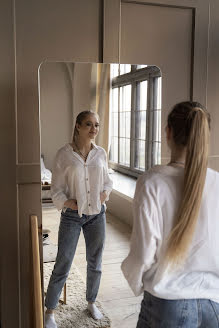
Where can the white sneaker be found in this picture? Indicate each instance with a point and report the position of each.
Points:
(50, 320)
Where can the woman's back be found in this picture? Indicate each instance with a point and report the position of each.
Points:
(157, 198)
(173, 255)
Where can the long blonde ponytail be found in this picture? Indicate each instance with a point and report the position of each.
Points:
(194, 135)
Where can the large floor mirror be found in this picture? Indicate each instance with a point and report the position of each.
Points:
(127, 99)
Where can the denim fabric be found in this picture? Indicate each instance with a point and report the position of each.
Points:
(93, 227)
(191, 313)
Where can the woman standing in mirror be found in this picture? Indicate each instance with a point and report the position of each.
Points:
(174, 246)
(80, 187)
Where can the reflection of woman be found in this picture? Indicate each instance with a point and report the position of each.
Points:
(174, 246)
(80, 186)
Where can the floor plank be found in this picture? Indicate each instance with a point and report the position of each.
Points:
(115, 295)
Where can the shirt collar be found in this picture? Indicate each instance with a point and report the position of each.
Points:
(69, 147)
(94, 145)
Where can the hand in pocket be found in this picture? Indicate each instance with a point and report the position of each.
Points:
(71, 203)
(103, 196)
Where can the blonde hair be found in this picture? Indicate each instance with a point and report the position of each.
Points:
(190, 123)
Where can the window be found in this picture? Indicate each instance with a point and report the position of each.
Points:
(135, 118)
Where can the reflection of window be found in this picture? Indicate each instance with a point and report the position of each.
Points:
(135, 118)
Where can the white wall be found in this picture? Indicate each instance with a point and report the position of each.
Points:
(56, 109)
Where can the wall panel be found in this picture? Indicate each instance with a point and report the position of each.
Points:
(161, 36)
(9, 245)
(170, 34)
(213, 83)
(29, 199)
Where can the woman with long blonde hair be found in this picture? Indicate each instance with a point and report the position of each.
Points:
(173, 255)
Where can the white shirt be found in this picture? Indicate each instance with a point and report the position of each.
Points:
(157, 197)
(72, 178)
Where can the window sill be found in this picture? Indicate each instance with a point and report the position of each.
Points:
(123, 183)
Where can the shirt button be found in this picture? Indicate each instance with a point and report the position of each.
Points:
(88, 192)
(87, 179)
(88, 204)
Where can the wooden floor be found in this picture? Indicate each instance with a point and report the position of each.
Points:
(115, 295)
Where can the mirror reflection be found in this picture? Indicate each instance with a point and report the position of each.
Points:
(100, 129)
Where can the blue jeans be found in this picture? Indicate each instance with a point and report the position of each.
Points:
(69, 231)
(184, 313)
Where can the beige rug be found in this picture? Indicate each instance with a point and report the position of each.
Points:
(75, 314)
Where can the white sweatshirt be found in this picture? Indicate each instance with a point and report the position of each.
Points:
(157, 197)
(72, 178)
